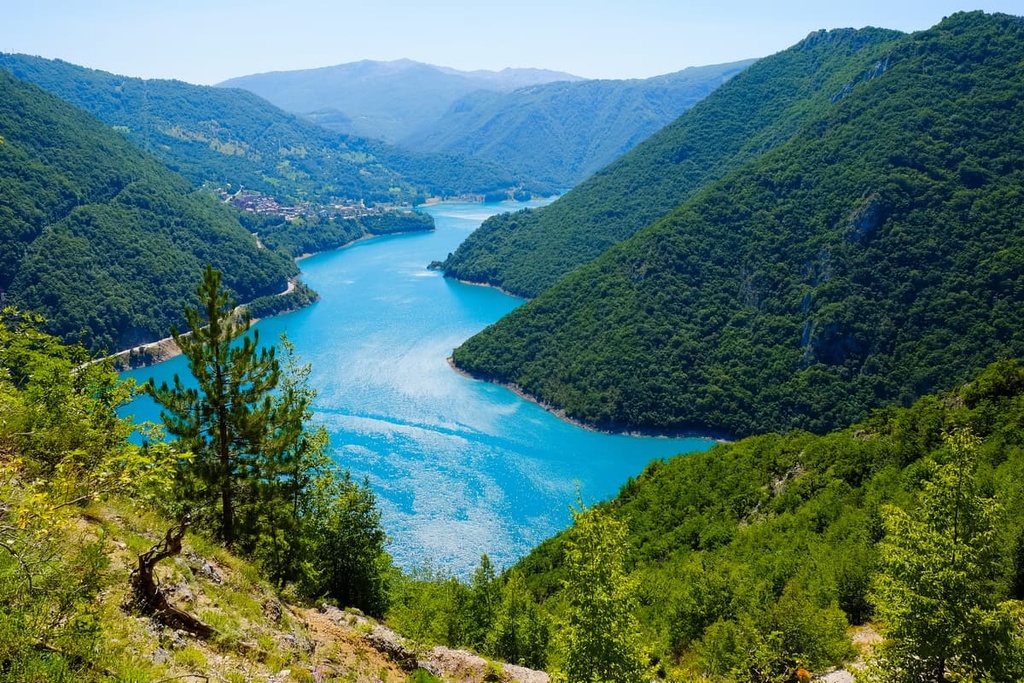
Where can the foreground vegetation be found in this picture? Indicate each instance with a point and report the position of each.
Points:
(745, 563)
(753, 560)
(245, 469)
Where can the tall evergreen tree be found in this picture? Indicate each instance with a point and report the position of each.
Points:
(224, 421)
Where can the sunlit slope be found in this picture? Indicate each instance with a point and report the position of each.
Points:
(233, 138)
(564, 132)
(753, 112)
(876, 256)
(102, 239)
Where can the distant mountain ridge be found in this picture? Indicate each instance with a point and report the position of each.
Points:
(753, 112)
(875, 255)
(382, 100)
(230, 136)
(563, 132)
(546, 126)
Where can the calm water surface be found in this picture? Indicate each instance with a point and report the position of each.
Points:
(460, 467)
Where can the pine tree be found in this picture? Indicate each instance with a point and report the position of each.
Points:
(601, 636)
(936, 590)
(224, 422)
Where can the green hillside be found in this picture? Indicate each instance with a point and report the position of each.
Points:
(756, 555)
(563, 132)
(874, 257)
(753, 112)
(233, 138)
(100, 238)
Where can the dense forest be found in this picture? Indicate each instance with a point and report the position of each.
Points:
(753, 112)
(232, 138)
(872, 258)
(561, 133)
(102, 240)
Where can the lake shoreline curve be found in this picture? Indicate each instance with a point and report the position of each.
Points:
(560, 413)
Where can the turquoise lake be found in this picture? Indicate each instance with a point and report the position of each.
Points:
(460, 467)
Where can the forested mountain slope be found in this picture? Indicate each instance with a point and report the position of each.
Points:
(758, 554)
(100, 238)
(876, 256)
(382, 100)
(753, 112)
(232, 137)
(561, 133)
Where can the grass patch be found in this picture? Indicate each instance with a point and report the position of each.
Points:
(190, 657)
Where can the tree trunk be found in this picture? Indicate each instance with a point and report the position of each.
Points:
(148, 597)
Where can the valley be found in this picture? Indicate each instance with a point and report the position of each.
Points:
(712, 376)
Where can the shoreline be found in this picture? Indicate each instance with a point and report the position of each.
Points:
(164, 349)
(489, 286)
(561, 415)
(476, 284)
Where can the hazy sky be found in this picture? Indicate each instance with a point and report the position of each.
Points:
(207, 41)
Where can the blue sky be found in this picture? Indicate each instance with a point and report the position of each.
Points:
(207, 41)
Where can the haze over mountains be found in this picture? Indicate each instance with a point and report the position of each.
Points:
(233, 137)
(562, 133)
(382, 100)
(550, 127)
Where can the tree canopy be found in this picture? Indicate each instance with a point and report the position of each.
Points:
(866, 261)
(751, 560)
(257, 476)
(99, 238)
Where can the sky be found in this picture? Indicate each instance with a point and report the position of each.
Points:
(208, 41)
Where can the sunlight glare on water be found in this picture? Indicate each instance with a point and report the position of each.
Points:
(460, 467)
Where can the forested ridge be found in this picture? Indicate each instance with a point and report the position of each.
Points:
(755, 111)
(563, 132)
(874, 257)
(784, 533)
(231, 137)
(102, 240)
